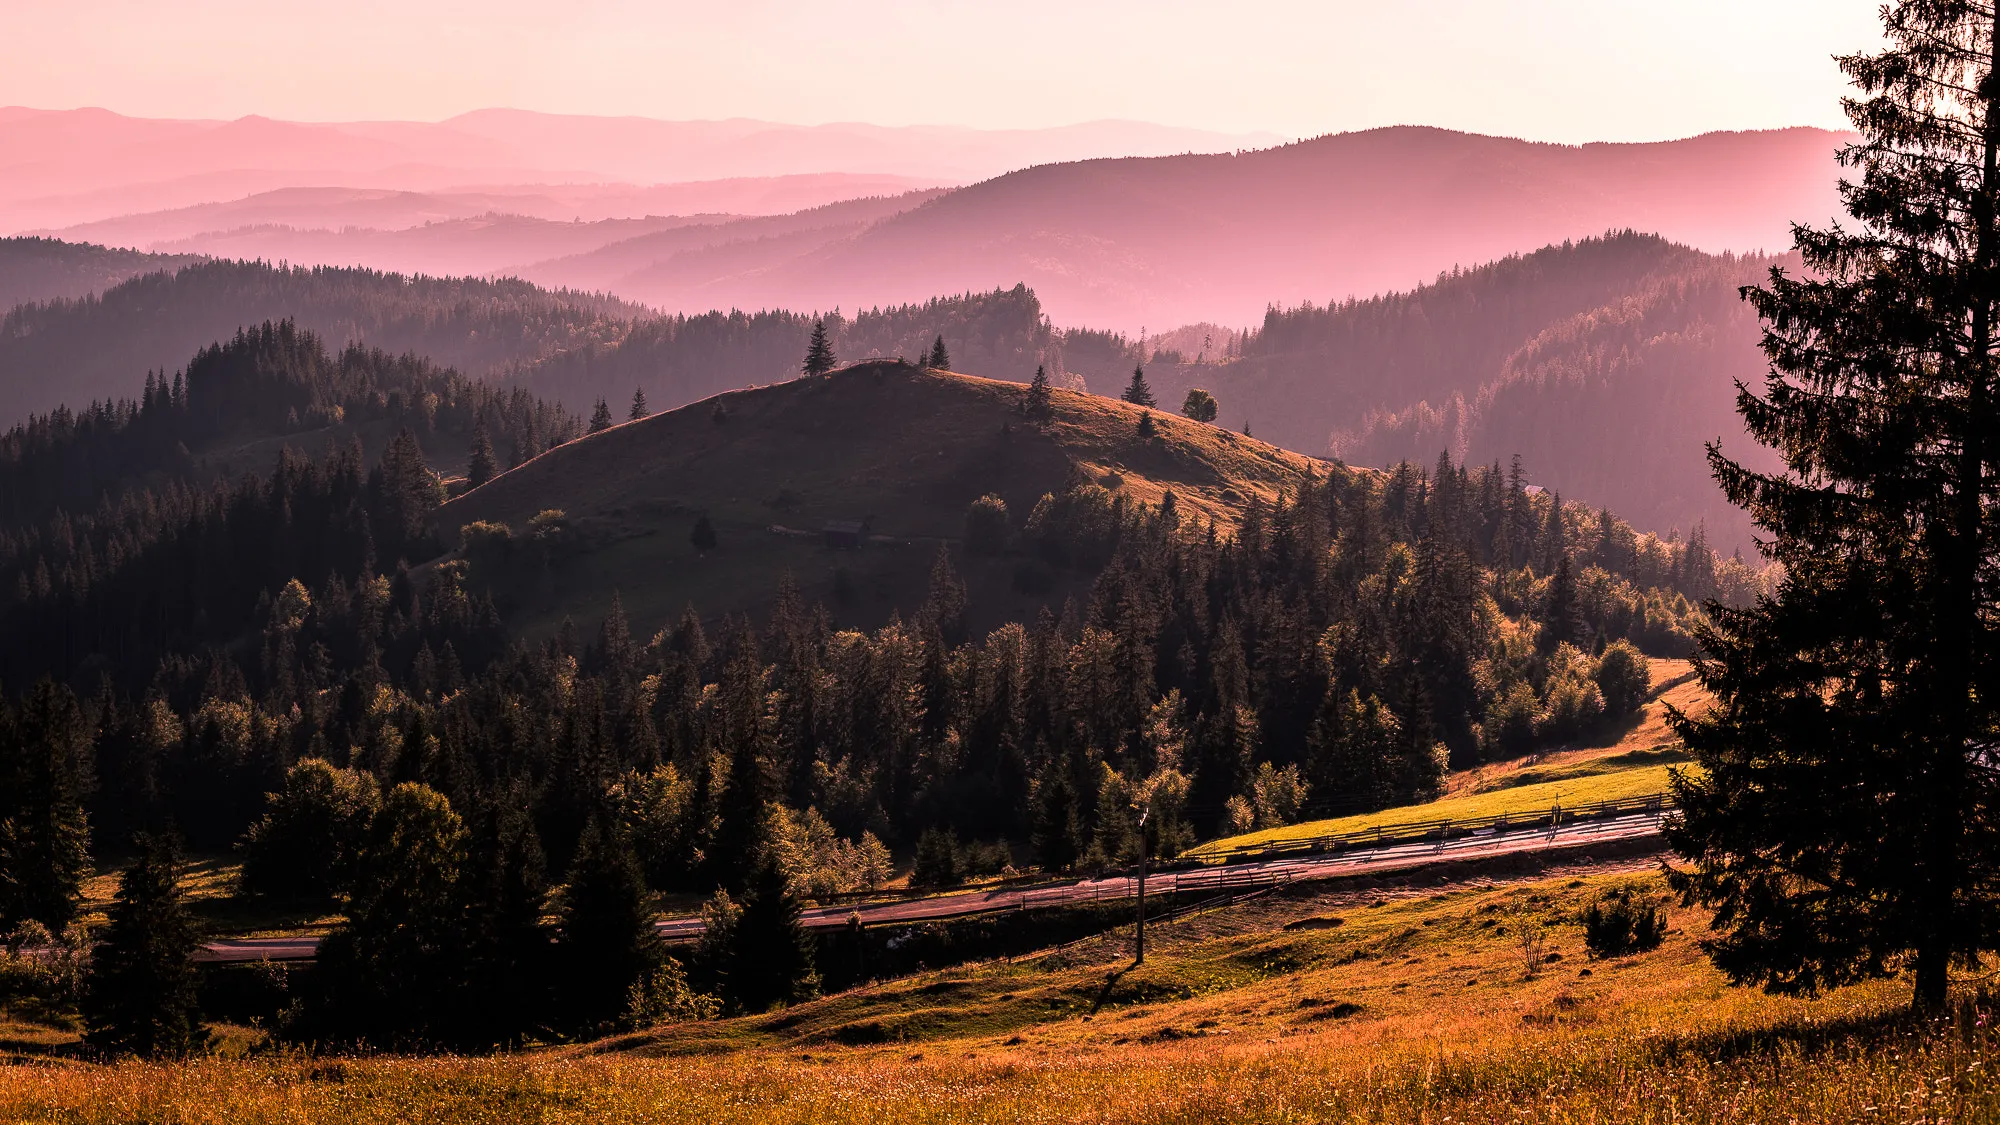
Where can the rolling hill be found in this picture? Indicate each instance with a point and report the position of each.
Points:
(1176, 239)
(59, 168)
(1605, 363)
(101, 346)
(45, 269)
(903, 449)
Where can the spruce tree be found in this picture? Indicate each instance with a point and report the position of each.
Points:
(1040, 405)
(508, 955)
(638, 409)
(703, 536)
(1137, 392)
(1842, 822)
(480, 467)
(140, 994)
(600, 416)
(938, 359)
(608, 941)
(1146, 429)
(1058, 829)
(44, 835)
(771, 954)
(819, 353)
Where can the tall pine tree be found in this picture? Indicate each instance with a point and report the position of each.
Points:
(140, 995)
(819, 353)
(1136, 391)
(1843, 823)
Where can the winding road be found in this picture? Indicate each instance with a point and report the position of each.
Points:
(1170, 884)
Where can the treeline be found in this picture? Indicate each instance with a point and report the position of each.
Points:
(96, 347)
(1606, 363)
(680, 359)
(374, 740)
(46, 269)
(173, 556)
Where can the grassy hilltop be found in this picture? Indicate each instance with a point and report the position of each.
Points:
(905, 449)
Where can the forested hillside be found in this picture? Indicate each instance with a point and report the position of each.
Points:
(100, 347)
(1605, 364)
(679, 359)
(45, 269)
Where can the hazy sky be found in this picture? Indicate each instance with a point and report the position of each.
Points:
(1565, 70)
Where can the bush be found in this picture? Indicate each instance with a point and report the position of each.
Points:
(937, 860)
(306, 844)
(1509, 730)
(986, 526)
(1621, 922)
(1623, 678)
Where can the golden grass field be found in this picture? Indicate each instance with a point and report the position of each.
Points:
(1386, 1005)
(1632, 760)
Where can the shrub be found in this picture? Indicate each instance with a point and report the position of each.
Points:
(306, 845)
(937, 860)
(986, 526)
(1621, 922)
(1623, 678)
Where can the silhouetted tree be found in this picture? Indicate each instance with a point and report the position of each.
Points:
(1136, 391)
(1200, 405)
(638, 409)
(608, 940)
(1040, 403)
(308, 841)
(771, 957)
(1146, 427)
(140, 993)
(480, 466)
(1841, 823)
(44, 835)
(819, 353)
(938, 359)
(703, 535)
(600, 416)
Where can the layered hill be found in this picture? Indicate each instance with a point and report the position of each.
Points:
(1605, 363)
(883, 444)
(46, 269)
(101, 346)
(1170, 240)
(63, 167)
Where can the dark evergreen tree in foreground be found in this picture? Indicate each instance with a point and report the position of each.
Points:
(1136, 391)
(938, 359)
(639, 409)
(608, 942)
(1041, 403)
(140, 995)
(600, 416)
(44, 835)
(771, 956)
(393, 975)
(1147, 428)
(819, 353)
(1845, 822)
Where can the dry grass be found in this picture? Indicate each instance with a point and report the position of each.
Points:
(906, 449)
(1416, 1009)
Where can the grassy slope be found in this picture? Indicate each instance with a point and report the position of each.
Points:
(906, 449)
(1342, 1006)
(1630, 760)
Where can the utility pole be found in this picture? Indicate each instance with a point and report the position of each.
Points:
(1141, 958)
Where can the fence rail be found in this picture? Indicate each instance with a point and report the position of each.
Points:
(1556, 816)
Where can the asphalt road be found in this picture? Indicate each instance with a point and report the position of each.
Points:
(1166, 885)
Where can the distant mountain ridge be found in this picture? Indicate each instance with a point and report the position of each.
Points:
(1171, 240)
(63, 167)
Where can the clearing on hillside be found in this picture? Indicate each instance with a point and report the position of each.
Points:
(897, 449)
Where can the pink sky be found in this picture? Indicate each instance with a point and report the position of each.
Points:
(1561, 70)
